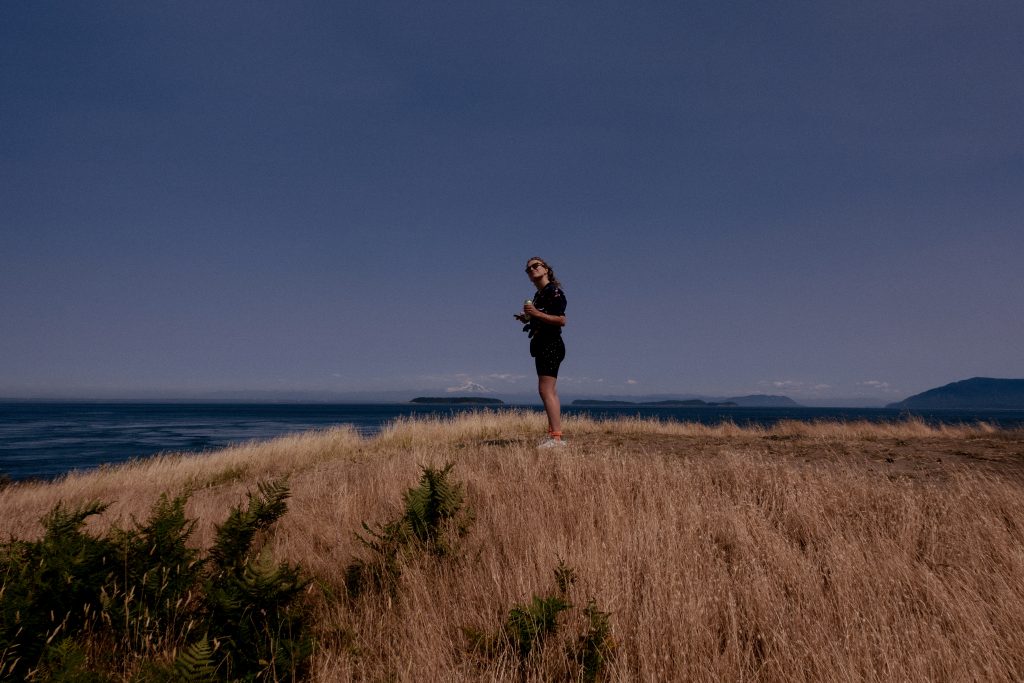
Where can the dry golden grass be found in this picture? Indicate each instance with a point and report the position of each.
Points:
(826, 551)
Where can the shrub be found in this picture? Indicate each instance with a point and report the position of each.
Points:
(51, 588)
(144, 593)
(434, 519)
(147, 600)
(530, 626)
(251, 602)
(594, 648)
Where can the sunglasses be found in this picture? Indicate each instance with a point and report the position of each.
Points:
(534, 266)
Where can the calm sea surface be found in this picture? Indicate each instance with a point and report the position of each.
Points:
(46, 440)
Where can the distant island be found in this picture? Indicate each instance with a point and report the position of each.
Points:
(661, 404)
(458, 400)
(751, 401)
(977, 393)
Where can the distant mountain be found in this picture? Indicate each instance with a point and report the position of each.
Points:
(458, 400)
(977, 393)
(764, 401)
(469, 387)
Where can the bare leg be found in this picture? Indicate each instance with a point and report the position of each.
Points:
(548, 394)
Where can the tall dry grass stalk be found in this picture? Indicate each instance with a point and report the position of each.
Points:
(722, 553)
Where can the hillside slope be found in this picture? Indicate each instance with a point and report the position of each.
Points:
(977, 393)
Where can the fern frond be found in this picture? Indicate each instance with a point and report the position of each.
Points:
(595, 647)
(565, 577)
(528, 625)
(436, 501)
(62, 521)
(235, 536)
(195, 664)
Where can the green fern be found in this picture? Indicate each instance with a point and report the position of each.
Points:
(252, 604)
(382, 571)
(428, 507)
(158, 570)
(565, 577)
(432, 510)
(263, 627)
(530, 625)
(142, 591)
(62, 523)
(51, 587)
(65, 662)
(595, 647)
(195, 664)
(235, 536)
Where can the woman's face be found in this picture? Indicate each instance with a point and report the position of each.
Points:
(536, 270)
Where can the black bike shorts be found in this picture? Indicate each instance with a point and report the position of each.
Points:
(547, 354)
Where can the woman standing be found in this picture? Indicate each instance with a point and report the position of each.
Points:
(544, 317)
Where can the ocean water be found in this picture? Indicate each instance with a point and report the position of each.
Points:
(46, 440)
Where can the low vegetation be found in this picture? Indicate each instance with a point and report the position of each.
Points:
(455, 550)
(140, 603)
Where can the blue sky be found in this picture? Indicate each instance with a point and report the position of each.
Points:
(818, 199)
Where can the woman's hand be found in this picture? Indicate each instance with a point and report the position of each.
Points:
(531, 311)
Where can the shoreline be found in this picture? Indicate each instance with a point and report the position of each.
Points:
(47, 440)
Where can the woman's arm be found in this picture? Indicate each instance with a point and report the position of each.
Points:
(531, 310)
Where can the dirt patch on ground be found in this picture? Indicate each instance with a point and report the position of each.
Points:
(1000, 454)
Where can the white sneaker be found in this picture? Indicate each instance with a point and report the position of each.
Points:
(551, 443)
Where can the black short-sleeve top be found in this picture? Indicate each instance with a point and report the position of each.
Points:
(550, 300)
